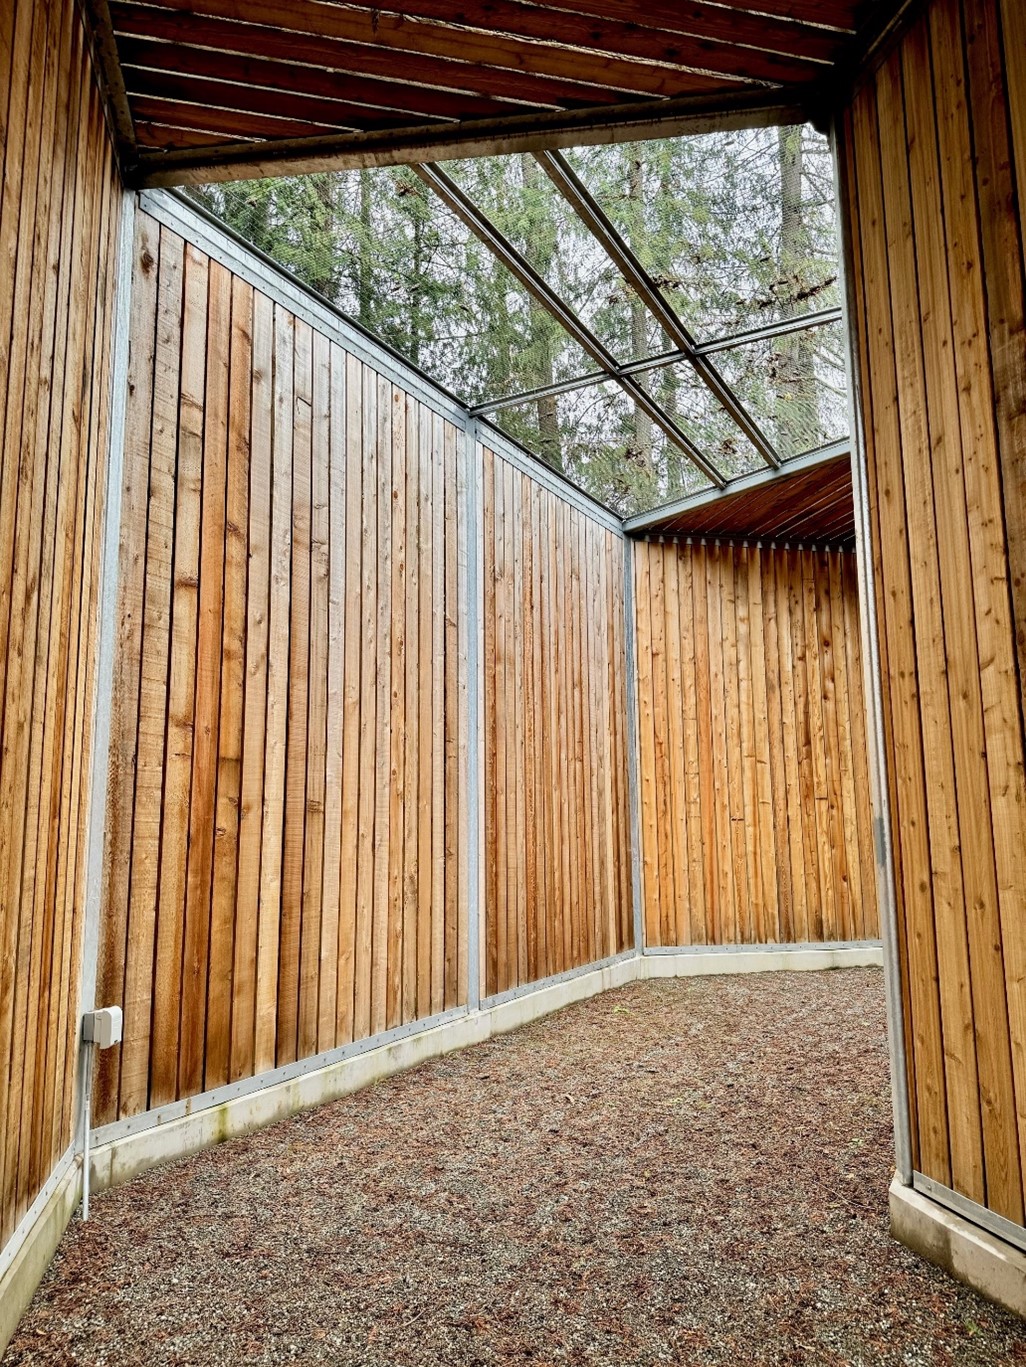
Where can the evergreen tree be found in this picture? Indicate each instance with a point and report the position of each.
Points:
(737, 229)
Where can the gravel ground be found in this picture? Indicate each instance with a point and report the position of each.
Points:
(688, 1172)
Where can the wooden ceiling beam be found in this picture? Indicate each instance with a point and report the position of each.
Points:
(107, 66)
(188, 32)
(380, 32)
(226, 122)
(412, 101)
(580, 24)
(471, 138)
(210, 96)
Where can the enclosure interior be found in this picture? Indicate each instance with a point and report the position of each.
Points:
(328, 711)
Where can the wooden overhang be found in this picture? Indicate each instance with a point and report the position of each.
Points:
(809, 500)
(231, 89)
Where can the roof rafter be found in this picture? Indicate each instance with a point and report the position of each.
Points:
(584, 204)
(482, 227)
(660, 360)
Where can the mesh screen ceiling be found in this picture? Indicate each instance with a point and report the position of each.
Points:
(650, 318)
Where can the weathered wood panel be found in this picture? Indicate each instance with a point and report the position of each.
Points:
(557, 873)
(755, 825)
(59, 216)
(813, 505)
(286, 814)
(933, 152)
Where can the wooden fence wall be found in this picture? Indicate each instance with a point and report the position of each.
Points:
(935, 165)
(285, 862)
(556, 842)
(59, 207)
(754, 788)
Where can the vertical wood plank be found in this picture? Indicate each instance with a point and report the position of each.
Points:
(223, 913)
(278, 650)
(251, 811)
(182, 686)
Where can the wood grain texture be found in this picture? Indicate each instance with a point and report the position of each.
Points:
(933, 152)
(807, 505)
(752, 828)
(557, 861)
(203, 76)
(284, 869)
(59, 218)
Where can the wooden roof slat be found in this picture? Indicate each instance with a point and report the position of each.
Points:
(263, 73)
(846, 16)
(211, 97)
(581, 24)
(157, 136)
(189, 31)
(381, 31)
(227, 121)
(702, 20)
(812, 503)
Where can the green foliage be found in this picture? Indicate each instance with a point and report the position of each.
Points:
(736, 229)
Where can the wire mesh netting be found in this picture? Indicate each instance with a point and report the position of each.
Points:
(736, 230)
(521, 201)
(797, 385)
(597, 437)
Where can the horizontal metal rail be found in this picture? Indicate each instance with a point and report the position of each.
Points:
(798, 323)
(584, 204)
(479, 224)
(972, 1211)
(660, 360)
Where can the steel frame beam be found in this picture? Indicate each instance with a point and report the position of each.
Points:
(479, 224)
(583, 203)
(799, 323)
(873, 683)
(666, 358)
(469, 138)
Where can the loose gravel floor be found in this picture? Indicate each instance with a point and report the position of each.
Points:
(688, 1172)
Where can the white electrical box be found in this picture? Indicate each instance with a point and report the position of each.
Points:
(102, 1027)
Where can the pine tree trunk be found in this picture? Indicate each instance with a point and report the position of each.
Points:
(541, 333)
(639, 314)
(364, 285)
(797, 408)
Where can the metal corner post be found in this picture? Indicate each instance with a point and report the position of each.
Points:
(475, 733)
(107, 631)
(885, 882)
(632, 743)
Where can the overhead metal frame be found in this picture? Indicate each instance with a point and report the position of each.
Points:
(801, 323)
(454, 198)
(584, 204)
(688, 351)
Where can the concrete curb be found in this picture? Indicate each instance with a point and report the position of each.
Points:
(39, 1234)
(989, 1265)
(120, 1159)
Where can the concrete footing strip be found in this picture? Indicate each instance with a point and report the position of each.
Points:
(33, 1244)
(990, 1266)
(118, 1159)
